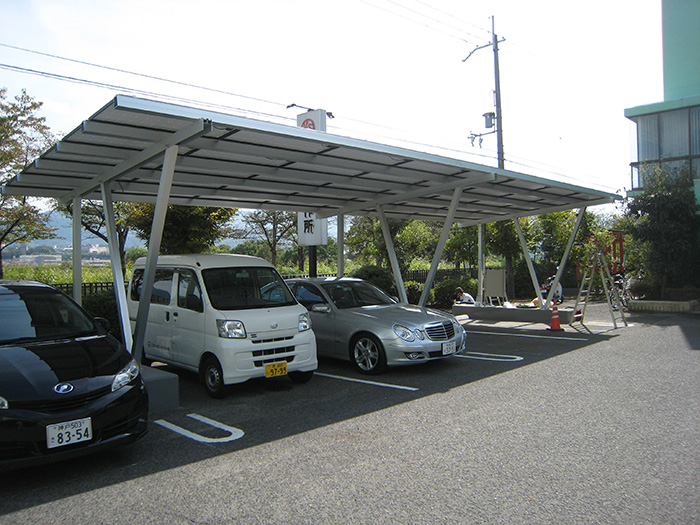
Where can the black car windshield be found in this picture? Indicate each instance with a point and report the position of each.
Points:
(243, 288)
(352, 294)
(40, 313)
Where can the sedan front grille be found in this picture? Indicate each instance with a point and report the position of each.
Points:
(440, 331)
(54, 406)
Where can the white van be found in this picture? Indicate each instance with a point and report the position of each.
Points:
(229, 317)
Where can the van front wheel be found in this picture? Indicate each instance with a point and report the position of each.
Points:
(213, 378)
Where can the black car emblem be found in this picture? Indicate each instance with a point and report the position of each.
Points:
(63, 388)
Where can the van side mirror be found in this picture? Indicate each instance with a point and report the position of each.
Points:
(321, 308)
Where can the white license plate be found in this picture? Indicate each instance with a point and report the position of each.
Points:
(67, 433)
(449, 348)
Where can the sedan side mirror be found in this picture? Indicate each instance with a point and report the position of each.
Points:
(103, 322)
(321, 308)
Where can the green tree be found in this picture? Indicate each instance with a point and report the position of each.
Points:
(411, 238)
(502, 239)
(187, 229)
(463, 247)
(92, 219)
(665, 217)
(274, 227)
(253, 247)
(23, 136)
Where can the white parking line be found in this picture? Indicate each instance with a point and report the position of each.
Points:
(490, 357)
(374, 383)
(529, 335)
(233, 432)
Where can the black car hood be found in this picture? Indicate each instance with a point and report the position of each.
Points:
(29, 371)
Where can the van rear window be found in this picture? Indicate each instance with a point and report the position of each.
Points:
(243, 288)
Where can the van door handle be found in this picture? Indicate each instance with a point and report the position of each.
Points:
(167, 316)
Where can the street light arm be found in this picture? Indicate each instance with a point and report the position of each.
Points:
(477, 49)
(482, 47)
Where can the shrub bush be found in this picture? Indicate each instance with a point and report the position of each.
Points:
(444, 290)
(414, 290)
(104, 304)
(378, 276)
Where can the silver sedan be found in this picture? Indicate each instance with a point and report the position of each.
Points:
(355, 320)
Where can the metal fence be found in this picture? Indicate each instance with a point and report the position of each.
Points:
(414, 275)
(87, 288)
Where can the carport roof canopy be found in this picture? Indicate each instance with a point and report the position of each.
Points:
(229, 161)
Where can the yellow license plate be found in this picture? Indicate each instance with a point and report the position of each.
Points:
(276, 369)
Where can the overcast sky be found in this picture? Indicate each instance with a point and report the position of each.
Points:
(390, 71)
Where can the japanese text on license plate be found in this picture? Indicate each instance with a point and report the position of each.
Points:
(449, 348)
(69, 432)
(276, 369)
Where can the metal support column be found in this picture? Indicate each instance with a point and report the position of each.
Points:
(77, 249)
(482, 266)
(446, 227)
(166, 181)
(528, 260)
(565, 257)
(341, 245)
(115, 259)
(392, 256)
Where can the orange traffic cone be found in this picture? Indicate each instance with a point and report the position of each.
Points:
(555, 326)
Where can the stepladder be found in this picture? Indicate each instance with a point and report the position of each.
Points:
(598, 266)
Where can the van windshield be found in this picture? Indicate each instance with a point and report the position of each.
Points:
(247, 287)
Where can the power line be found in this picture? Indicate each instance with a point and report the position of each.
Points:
(142, 75)
(130, 90)
(211, 105)
(423, 24)
(461, 20)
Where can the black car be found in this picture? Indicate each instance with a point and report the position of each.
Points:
(67, 387)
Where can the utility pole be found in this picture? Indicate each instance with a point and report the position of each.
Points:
(499, 139)
(499, 116)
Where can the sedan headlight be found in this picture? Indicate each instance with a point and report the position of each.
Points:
(4, 405)
(404, 333)
(304, 322)
(126, 376)
(231, 329)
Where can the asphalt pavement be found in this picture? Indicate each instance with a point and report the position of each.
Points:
(589, 425)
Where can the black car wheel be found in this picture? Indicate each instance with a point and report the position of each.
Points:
(367, 353)
(213, 378)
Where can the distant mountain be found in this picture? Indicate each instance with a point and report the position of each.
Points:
(64, 232)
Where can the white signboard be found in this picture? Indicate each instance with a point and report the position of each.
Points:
(312, 230)
(312, 119)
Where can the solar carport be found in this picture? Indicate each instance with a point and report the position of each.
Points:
(141, 150)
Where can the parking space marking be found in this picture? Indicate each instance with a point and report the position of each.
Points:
(490, 357)
(234, 433)
(530, 335)
(374, 383)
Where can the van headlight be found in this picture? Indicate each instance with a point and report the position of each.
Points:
(304, 322)
(231, 329)
(4, 405)
(126, 376)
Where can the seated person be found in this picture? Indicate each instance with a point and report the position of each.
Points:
(462, 297)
